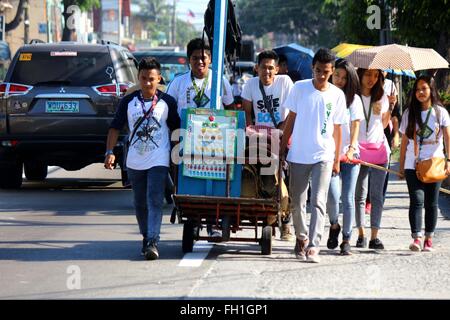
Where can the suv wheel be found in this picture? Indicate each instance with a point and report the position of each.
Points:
(35, 171)
(11, 175)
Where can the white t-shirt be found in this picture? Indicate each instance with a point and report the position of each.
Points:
(428, 150)
(150, 145)
(374, 133)
(182, 89)
(276, 93)
(388, 87)
(316, 114)
(354, 112)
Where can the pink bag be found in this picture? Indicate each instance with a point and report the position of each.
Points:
(374, 153)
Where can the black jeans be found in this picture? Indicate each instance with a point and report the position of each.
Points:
(422, 195)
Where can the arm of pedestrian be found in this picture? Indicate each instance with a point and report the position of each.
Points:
(447, 148)
(403, 147)
(337, 136)
(111, 141)
(247, 106)
(287, 132)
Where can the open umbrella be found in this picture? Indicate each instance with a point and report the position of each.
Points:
(394, 56)
(345, 49)
(299, 59)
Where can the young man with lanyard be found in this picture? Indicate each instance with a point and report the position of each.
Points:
(193, 89)
(151, 115)
(264, 95)
(317, 110)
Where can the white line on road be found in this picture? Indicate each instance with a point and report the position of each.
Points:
(195, 258)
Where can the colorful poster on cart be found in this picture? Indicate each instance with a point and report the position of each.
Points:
(210, 139)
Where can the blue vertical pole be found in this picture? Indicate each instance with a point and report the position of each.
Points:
(220, 18)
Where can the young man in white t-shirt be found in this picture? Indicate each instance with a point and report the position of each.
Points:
(271, 112)
(317, 110)
(151, 115)
(193, 89)
(276, 89)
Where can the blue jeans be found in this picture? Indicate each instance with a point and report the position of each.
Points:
(148, 192)
(349, 175)
(377, 179)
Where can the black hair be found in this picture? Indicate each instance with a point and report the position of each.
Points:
(352, 85)
(149, 63)
(415, 107)
(377, 91)
(268, 54)
(282, 58)
(324, 55)
(197, 44)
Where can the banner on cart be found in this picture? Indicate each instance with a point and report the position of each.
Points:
(210, 138)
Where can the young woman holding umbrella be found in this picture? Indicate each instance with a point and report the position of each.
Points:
(373, 149)
(428, 122)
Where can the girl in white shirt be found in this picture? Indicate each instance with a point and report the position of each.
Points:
(429, 122)
(345, 78)
(377, 114)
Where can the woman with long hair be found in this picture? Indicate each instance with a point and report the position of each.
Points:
(375, 149)
(346, 79)
(427, 122)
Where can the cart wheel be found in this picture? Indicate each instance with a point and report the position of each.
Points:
(188, 236)
(266, 240)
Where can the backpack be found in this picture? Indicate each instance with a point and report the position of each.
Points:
(234, 33)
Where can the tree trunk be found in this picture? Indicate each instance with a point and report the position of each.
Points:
(17, 19)
(443, 81)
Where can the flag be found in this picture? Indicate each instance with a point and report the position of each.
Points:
(191, 14)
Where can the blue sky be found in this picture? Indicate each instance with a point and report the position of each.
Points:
(198, 7)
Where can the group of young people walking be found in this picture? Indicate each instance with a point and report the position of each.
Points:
(331, 120)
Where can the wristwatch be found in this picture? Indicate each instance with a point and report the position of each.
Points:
(108, 152)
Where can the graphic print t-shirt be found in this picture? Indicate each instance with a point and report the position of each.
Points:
(276, 94)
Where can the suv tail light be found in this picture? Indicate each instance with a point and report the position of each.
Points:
(10, 89)
(112, 89)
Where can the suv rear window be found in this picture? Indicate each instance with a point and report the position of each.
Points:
(72, 68)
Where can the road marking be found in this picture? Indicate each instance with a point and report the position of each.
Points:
(195, 258)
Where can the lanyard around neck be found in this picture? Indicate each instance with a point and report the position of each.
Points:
(147, 114)
(199, 92)
(424, 125)
(368, 114)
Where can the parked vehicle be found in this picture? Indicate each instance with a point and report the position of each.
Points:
(172, 62)
(56, 104)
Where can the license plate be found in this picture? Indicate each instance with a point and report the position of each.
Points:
(62, 107)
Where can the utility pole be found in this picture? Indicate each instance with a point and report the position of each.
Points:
(174, 23)
(26, 22)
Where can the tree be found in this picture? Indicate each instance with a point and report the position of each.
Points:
(313, 20)
(185, 32)
(158, 14)
(83, 5)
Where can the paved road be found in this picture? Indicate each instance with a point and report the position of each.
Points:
(75, 236)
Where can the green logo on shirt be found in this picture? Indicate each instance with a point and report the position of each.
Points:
(328, 112)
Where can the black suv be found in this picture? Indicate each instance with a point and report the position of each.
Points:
(56, 104)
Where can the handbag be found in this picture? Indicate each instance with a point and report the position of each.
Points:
(430, 170)
(374, 153)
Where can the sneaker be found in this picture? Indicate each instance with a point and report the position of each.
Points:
(345, 249)
(376, 244)
(361, 242)
(151, 251)
(333, 241)
(285, 233)
(428, 245)
(416, 245)
(313, 255)
(368, 207)
(299, 250)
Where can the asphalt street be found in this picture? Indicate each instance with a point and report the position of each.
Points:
(75, 236)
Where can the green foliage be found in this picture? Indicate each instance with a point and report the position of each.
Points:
(159, 15)
(185, 32)
(313, 20)
(87, 4)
